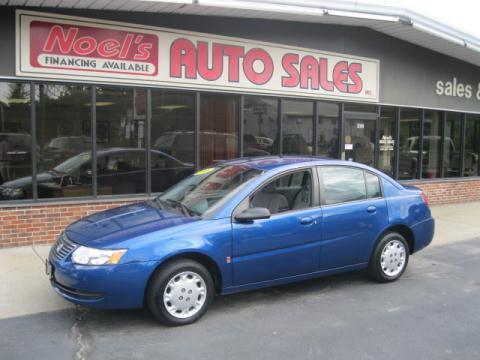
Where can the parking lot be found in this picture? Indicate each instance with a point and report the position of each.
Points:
(432, 312)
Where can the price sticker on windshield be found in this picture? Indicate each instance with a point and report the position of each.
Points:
(204, 171)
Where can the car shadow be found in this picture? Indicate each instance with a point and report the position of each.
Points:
(232, 304)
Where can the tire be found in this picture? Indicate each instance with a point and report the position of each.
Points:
(389, 258)
(180, 292)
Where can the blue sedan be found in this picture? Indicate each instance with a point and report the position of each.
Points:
(241, 225)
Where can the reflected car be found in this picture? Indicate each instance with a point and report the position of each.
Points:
(63, 148)
(119, 170)
(18, 156)
(241, 225)
(408, 164)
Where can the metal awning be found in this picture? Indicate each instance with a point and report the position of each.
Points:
(397, 22)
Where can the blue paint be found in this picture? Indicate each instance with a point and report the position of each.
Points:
(288, 247)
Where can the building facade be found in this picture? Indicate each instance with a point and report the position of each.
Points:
(102, 108)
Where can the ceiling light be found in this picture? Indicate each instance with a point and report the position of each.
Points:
(172, 107)
(101, 103)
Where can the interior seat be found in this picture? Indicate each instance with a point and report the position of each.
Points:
(303, 199)
(269, 198)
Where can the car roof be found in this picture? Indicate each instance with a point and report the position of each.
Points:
(267, 163)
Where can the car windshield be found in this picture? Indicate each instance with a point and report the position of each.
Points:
(72, 164)
(204, 190)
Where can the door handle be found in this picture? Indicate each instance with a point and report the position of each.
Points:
(306, 220)
(371, 209)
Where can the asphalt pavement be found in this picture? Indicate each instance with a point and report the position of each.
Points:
(432, 312)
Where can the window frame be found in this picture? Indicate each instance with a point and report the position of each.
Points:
(322, 185)
(245, 202)
(365, 172)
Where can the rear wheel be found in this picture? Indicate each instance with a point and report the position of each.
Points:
(180, 292)
(390, 258)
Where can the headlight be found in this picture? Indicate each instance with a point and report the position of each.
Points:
(88, 256)
(12, 192)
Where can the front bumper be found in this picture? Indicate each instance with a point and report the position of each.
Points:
(108, 287)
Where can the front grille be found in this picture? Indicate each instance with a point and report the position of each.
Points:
(62, 247)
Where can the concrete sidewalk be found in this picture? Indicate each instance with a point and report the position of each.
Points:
(25, 288)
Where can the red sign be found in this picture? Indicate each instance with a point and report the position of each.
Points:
(62, 46)
(72, 48)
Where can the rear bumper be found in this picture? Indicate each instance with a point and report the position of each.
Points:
(423, 233)
(107, 287)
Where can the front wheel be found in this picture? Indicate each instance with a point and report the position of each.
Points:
(390, 258)
(180, 292)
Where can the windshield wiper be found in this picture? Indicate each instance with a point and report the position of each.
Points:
(185, 209)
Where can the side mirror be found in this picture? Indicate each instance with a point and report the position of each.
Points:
(251, 214)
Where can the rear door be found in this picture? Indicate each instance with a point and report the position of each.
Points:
(354, 213)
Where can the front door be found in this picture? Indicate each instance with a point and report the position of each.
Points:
(359, 138)
(286, 244)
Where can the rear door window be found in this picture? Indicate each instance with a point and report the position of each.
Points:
(342, 184)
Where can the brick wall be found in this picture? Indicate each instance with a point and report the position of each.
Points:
(41, 224)
(450, 191)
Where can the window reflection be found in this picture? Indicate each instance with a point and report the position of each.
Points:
(260, 126)
(297, 127)
(342, 184)
(218, 128)
(328, 115)
(15, 141)
(63, 132)
(431, 144)
(173, 142)
(121, 151)
(387, 139)
(409, 143)
(472, 145)
(452, 145)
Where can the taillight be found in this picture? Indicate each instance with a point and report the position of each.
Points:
(425, 199)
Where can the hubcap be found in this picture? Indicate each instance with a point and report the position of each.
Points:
(393, 258)
(185, 294)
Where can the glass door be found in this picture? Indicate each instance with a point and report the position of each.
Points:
(359, 139)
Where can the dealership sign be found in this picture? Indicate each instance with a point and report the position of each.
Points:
(79, 49)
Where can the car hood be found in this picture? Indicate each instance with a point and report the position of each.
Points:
(27, 181)
(108, 229)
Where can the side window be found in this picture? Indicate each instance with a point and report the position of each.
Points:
(373, 185)
(342, 184)
(289, 192)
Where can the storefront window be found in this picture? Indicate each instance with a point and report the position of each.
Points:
(431, 144)
(297, 127)
(386, 141)
(328, 116)
(121, 151)
(452, 145)
(260, 128)
(173, 138)
(64, 143)
(409, 143)
(472, 145)
(218, 128)
(15, 141)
